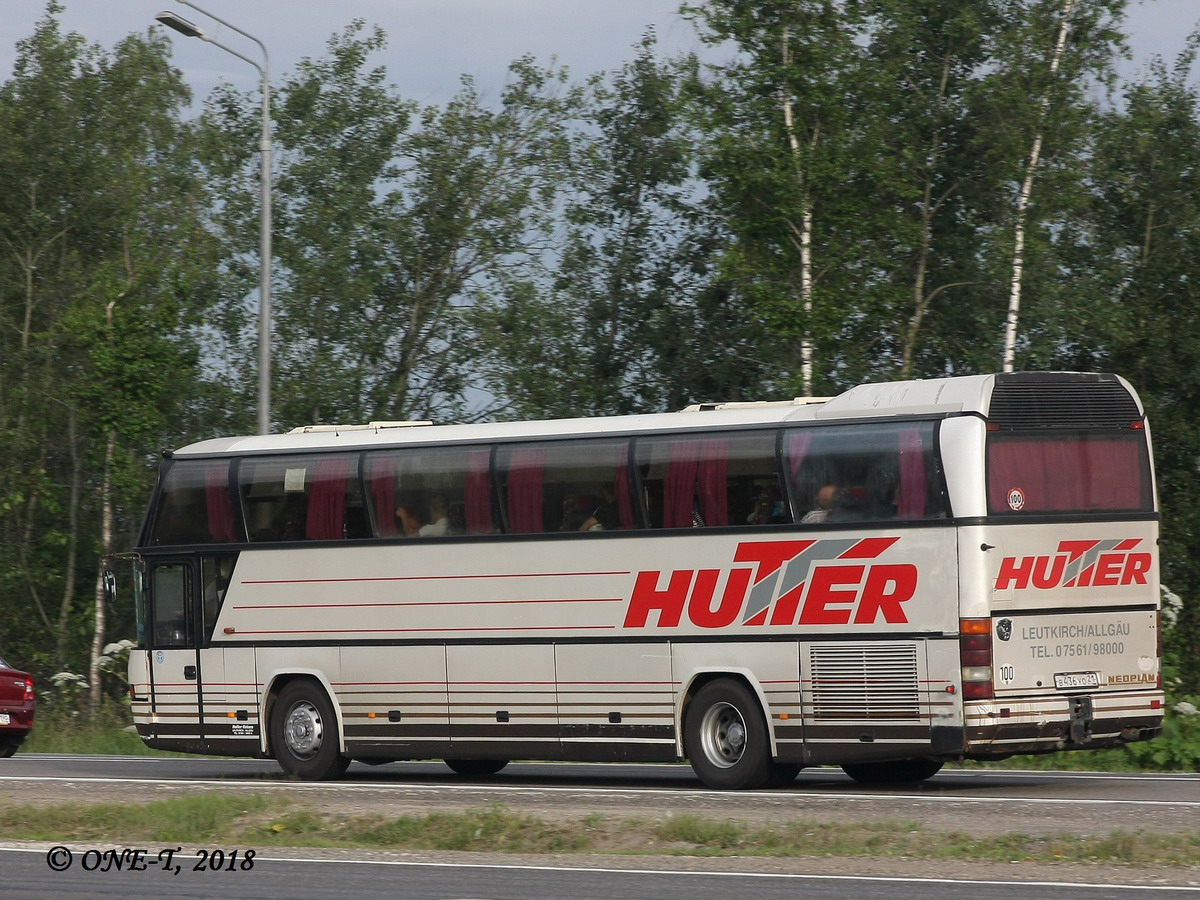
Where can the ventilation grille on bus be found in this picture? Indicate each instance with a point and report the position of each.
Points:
(1060, 400)
(864, 681)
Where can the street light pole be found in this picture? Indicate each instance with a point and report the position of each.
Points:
(186, 28)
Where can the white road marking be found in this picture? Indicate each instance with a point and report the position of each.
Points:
(678, 873)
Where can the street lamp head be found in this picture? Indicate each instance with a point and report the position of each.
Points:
(180, 24)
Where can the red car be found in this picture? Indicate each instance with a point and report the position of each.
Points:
(16, 708)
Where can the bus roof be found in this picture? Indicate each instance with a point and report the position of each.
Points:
(930, 397)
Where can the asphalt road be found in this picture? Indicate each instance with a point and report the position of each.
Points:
(981, 802)
(27, 875)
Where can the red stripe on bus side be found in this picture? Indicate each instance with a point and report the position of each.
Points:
(417, 630)
(430, 577)
(429, 603)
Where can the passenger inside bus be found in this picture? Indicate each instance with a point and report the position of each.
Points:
(768, 507)
(290, 524)
(606, 515)
(408, 516)
(577, 510)
(825, 500)
(851, 504)
(439, 513)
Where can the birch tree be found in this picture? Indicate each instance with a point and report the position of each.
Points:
(778, 120)
(1060, 52)
(1026, 191)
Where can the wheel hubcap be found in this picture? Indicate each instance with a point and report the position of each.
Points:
(723, 735)
(303, 731)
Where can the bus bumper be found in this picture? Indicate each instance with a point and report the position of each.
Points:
(1001, 727)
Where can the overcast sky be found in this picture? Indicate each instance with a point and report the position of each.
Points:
(432, 42)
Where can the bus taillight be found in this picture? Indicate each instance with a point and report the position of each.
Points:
(975, 658)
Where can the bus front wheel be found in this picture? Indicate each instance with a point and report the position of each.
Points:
(304, 736)
(725, 737)
(896, 771)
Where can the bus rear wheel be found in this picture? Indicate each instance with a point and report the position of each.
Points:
(304, 736)
(476, 767)
(895, 771)
(725, 737)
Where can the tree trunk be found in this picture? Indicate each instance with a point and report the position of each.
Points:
(68, 594)
(1018, 257)
(106, 533)
(806, 226)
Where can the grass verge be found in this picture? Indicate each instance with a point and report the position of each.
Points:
(260, 821)
(110, 732)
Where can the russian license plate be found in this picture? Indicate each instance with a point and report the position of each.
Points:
(1065, 681)
(4, 718)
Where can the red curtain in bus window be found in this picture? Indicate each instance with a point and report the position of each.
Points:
(1065, 474)
(621, 487)
(381, 478)
(326, 520)
(526, 468)
(219, 502)
(694, 492)
(914, 489)
(798, 444)
(1116, 470)
(1020, 466)
(712, 474)
(478, 500)
(679, 487)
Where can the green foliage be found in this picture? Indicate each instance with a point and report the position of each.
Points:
(1178, 749)
(394, 221)
(628, 318)
(100, 191)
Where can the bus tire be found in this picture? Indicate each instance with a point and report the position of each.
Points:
(304, 736)
(894, 771)
(725, 737)
(476, 768)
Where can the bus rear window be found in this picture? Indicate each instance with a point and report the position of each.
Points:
(1068, 472)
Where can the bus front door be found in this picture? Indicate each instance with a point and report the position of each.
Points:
(173, 637)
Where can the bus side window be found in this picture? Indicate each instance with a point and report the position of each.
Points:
(430, 492)
(172, 625)
(875, 472)
(703, 481)
(311, 498)
(215, 573)
(756, 494)
(577, 486)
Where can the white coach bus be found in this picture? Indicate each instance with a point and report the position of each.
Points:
(904, 574)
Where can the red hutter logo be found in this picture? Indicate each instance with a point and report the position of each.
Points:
(1077, 564)
(781, 585)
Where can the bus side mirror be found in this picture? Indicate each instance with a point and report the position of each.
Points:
(109, 584)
